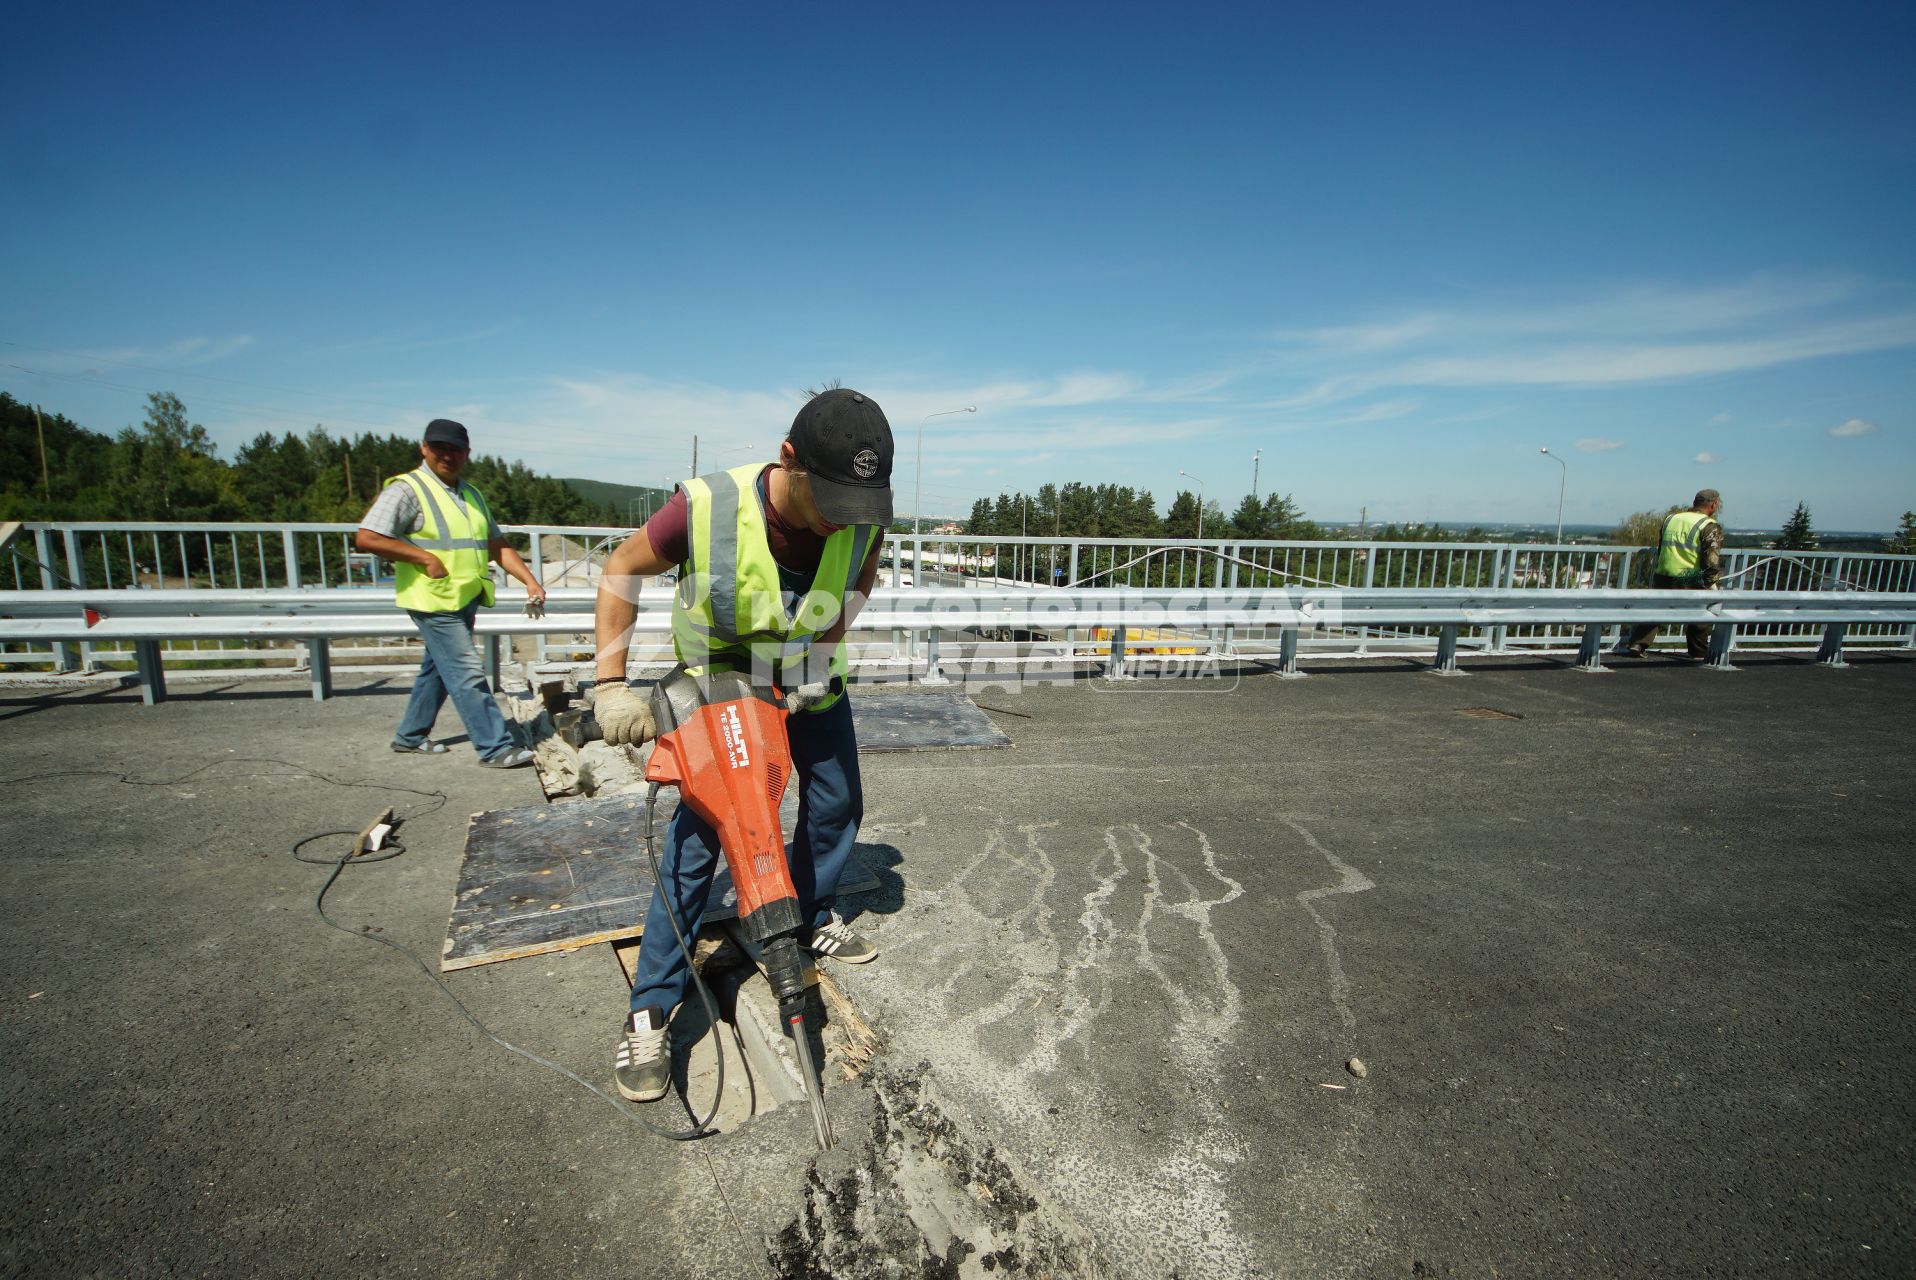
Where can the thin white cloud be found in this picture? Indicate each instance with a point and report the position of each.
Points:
(1721, 419)
(103, 362)
(1853, 428)
(1708, 459)
(1595, 444)
(1630, 337)
(1086, 388)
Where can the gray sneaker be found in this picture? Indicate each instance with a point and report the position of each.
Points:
(422, 749)
(835, 940)
(516, 758)
(642, 1067)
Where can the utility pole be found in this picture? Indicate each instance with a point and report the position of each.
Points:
(1363, 521)
(1254, 461)
(46, 490)
(695, 457)
(346, 456)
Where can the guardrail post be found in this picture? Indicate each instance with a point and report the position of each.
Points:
(489, 649)
(1590, 652)
(1287, 654)
(1722, 636)
(320, 662)
(290, 541)
(146, 659)
(1831, 652)
(1370, 578)
(64, 658)
(933, 675)
(1497, 634)
(1114, 666)
(76, 575)
(1447, 653)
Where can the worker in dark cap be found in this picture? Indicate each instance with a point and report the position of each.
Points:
(440, 536)
(1689, 558)
(774, 560)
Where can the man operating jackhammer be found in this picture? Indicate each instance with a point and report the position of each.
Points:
(774, 560)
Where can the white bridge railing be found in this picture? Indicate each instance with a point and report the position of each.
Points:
(299, 595)
(926, 633)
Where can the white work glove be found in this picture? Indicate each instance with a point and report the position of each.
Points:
(625, 719)
(808, 695)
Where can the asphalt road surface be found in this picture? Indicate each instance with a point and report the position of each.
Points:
(1629, 975)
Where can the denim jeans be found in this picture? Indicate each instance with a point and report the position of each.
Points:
(452, 666)
(831, 803)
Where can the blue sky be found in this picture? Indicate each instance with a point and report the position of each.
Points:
(1397, 250)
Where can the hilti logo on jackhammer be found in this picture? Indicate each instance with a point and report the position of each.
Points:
(734, 732)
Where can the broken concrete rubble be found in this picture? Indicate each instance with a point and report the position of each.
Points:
(922, 1196)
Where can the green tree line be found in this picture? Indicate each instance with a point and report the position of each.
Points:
(1118, 511)
(167, 468)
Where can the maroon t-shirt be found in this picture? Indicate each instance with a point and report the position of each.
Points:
(796, 548)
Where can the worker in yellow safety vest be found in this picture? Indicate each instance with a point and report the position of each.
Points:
(774, 560)
(439, 533)
(1689, 558)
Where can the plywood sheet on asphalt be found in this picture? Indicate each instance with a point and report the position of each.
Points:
(557, 877)
(920, 720)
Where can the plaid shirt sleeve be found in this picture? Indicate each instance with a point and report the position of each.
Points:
(394, 513)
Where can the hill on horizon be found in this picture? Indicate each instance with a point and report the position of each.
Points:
(631, 500)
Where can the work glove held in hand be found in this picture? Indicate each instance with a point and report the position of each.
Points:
(809, 695)
(625, 719)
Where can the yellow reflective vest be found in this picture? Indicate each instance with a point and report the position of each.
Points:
(455, 534)
(729, 612)
(1682, 535)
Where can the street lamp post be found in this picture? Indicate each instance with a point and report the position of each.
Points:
(1200, 484)
(918, 466)
(1562, 481)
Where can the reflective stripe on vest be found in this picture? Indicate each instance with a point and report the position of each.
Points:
(1682, 535)
(457, 537)
(729, 610)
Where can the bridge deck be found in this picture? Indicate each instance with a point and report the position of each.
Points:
(1632, 976)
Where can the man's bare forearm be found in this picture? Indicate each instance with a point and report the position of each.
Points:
(513, 563)
(616, 607)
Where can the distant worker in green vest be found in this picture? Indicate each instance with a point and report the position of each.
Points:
(440, 536)
(773, 560)
(1689, 558)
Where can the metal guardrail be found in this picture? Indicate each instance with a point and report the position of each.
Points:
(1025, 624)
(189, 557)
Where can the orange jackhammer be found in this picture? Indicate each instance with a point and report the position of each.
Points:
(721, 742)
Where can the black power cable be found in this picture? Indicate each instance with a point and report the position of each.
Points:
(391, 851)
(340, 864)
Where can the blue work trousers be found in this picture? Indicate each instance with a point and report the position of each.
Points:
(452, 666)
(831, 803)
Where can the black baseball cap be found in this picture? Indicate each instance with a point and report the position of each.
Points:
(843, 441)
(446, 431)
